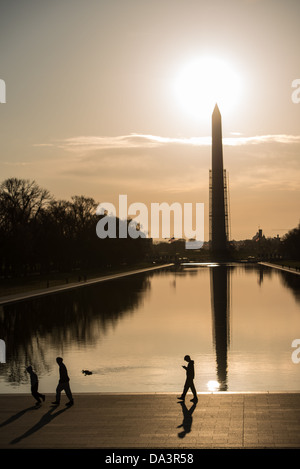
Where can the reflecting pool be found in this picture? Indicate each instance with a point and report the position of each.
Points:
(237, 322)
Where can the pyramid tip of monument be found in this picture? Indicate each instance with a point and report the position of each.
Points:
(216, 109)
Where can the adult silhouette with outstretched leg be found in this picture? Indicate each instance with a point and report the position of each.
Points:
(63, 383)
(34, 382)
(189, 382)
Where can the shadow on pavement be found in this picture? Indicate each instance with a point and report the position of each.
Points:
(46, 418)
(17, 416)
(187, 419)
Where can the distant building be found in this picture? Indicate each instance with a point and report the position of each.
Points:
(259, 236)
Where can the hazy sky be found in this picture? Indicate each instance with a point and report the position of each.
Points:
(91, 107)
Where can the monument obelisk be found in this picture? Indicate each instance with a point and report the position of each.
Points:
(218, 208)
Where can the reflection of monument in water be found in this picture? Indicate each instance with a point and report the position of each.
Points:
(220, 303)
(218, 193)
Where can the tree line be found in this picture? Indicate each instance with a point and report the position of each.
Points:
(40, 234)
(290, 246)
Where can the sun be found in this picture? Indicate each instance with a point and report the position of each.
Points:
(205, 81)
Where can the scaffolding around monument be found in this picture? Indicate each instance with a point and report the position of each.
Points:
(226, 205)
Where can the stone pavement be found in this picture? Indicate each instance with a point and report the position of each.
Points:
(219, 420)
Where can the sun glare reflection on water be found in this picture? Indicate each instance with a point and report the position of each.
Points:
(213, 386)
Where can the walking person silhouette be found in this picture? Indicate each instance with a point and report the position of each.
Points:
(189, 382)
(63, 383)
(34, 382)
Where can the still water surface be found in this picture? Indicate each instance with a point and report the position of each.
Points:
(237, 322)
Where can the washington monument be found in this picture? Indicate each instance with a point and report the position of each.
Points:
(218, 190)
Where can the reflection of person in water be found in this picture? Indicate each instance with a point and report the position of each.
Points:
(187, 419)
(189, 383)
(63, 383)
(34, 385)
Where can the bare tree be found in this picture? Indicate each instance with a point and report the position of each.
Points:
(21, 200)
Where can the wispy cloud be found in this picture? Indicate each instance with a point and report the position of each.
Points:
(259, 139)
(92, 143)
